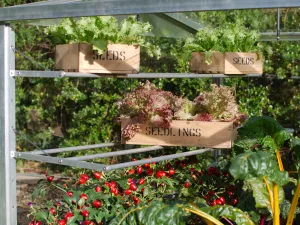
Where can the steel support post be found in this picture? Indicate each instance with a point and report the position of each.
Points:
(8, 199)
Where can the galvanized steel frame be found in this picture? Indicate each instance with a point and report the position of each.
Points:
(101, 167)
(8, 203)
(126, 7)
(8, 154)
(72, 149)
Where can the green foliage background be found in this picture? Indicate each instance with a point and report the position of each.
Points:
(69, 112)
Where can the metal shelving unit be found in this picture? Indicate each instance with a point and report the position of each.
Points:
(73, 8)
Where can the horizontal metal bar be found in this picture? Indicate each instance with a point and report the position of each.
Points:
(61, 74)
(128, 7)
(71, 149)
(284, 36)
(117, 153)
(156, 159)
(60, 161)
(37, 74)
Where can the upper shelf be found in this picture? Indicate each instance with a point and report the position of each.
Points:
(62, 9)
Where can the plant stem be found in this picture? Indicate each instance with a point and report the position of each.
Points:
(276, 218)
(208, 222)
(279, 160)
(59, 188)
(262, 220)
(228, 221)
(270, 194)
(293, 206)
(124, 217)
(205, 215)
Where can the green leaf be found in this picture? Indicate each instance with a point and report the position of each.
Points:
(281, 136)
(100, 216)
(41, 216)
(73, 219)
(269, 143)
(258, 127)
(186, 192)
(146, 191)
(255, 216)
(40, 190)
(167, 215)
(153, 214)
(261, 194)
(244, 145)
(100, 45)
(230, 212)
(67, 199)
(81, 202)
(257, 164)
(296, 147)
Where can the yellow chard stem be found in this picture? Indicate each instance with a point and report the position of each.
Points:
(276, 218)
(293, 206)
(279, 160)
(270, 194)
(208, 222)
(206, 216)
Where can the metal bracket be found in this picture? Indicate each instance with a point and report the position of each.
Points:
(39, 74)
(101, 167)
(60, 161)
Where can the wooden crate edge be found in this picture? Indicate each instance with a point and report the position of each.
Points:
(195, 65)
(226, 145)
(198, 65)
(63, 62)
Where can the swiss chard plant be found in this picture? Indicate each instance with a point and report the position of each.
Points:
(258, 163)
(103, 30)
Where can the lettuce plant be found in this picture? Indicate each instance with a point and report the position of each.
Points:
(102, 30)
(228, 38)
(219, 102)
(147, 104)
(150, 105)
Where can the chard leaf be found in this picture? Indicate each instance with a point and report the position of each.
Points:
(257, 165)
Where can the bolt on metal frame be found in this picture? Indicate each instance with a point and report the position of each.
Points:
(55, 9)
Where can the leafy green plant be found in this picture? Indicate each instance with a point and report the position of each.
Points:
(102, 30)
(259, 163)
(219, 103)
(227, 38)
(177, 213)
